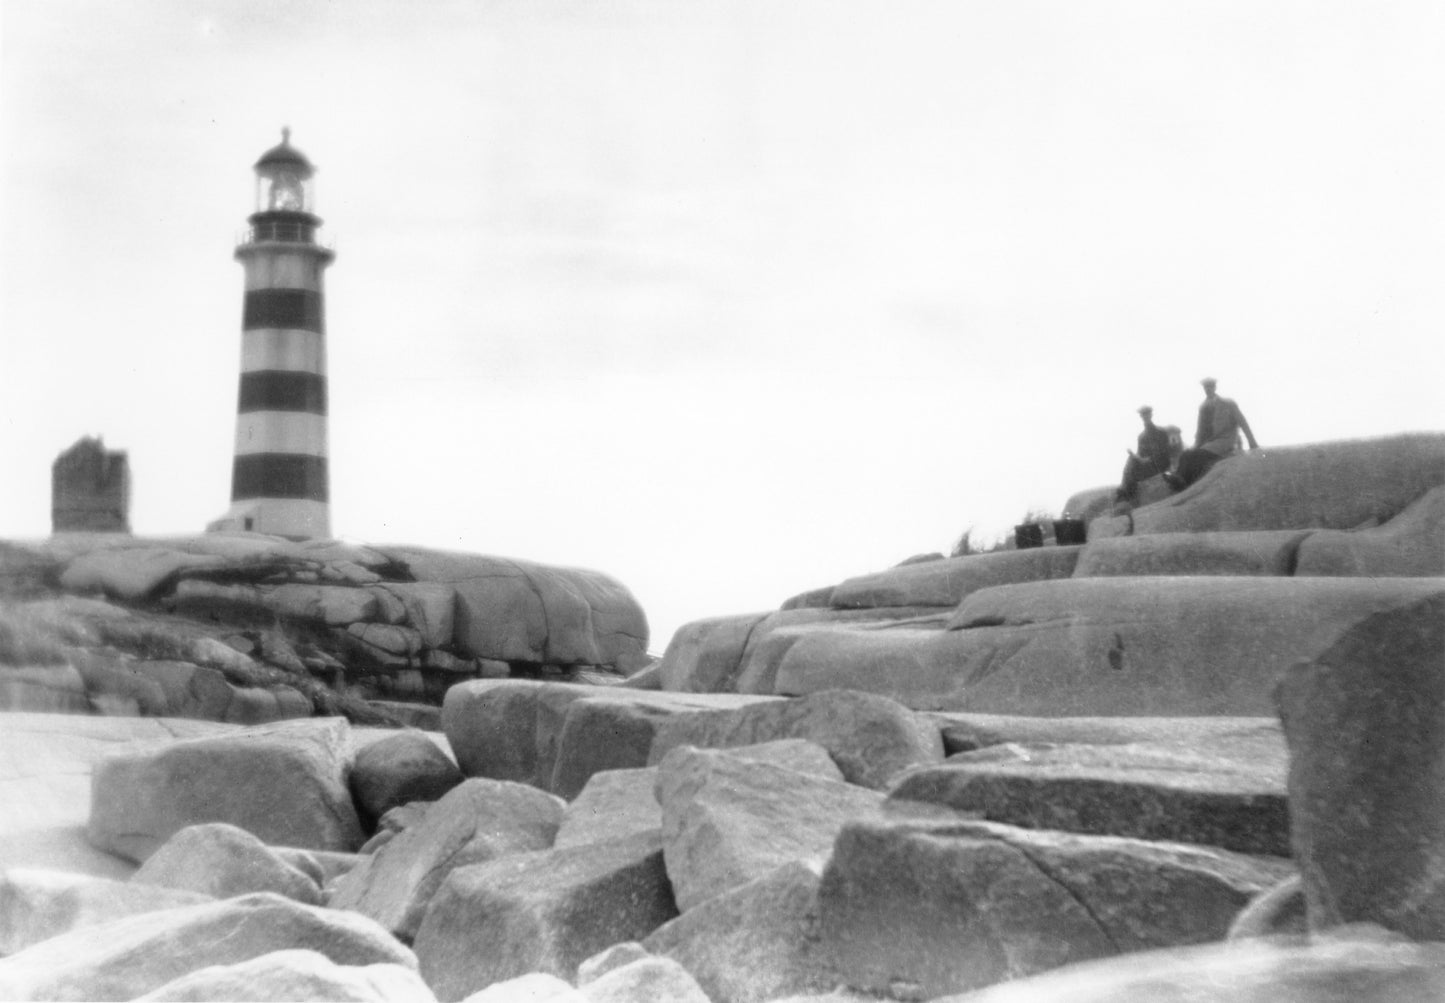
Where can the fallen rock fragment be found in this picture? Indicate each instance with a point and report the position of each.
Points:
(541, 912)
(223, 861)
(479, 820)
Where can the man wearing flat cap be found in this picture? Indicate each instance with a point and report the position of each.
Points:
(1221, 423)
(1153, 457)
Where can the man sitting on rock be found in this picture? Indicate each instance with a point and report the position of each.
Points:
(1220, 424)
(1152, 459)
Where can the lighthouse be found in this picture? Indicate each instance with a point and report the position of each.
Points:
(279, 479)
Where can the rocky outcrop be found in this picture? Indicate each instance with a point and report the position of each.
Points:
(949, 582)
(249, 628)
(1365, 723)
(1410, 544)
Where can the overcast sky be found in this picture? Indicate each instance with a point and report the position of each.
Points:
(729, 299)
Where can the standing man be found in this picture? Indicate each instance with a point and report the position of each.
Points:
(1152, 459)
(1220, 424)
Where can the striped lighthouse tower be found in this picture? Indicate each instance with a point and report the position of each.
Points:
(279, 481)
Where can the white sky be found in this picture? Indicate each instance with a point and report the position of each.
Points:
(729, 299)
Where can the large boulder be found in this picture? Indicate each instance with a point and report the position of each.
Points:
(295, 975)
(727, 821)
(46, 762)
(1411, 544)
(1365, 722)
(1144, 791)
(129, 957)
(1260, 552)
(478, 821)
(932, 908)
(541, 912)
(871, 738)
(512, 729)
(1362, 970)
(36, 905)
(948, 582)
(397, 770)
(1325, 485)
(756, 942)
(285, 783)
(223, 861)
(520, 611)
(1102, 646)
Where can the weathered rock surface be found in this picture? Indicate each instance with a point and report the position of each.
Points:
(1146, 791)
(610, 959)
(1411, 544)
(520, 611)
(758, 941)
(726, 821)
(296, 975)
(1260, 552)
(541, 912)
(222, 861)
(1258, 741)
(948, 582)
(1101, 646)
(646, 980)
(285, 783)
(129, 957)
(1365, 722)
(397, 770)
(478, 821)
(933, 908)
(705, 656)
(1334, 971)
(36, 905)
(618, 803)
(1327, 485)
(513, 729)
(871, 738)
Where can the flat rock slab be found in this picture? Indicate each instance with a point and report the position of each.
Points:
(129, 957)
(511, 729)
(726, 821)
(1410, 545)
(1327, 485)
(285, 783)
(1145, 791)
(947, 582)
(1333, 971)
(1261, 552)
(45, 767)
(924, 909)
(1102, 646)
(871, 738)
(756, 942)
(1247, 739)
(541, 912)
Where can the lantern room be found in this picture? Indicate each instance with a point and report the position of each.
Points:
(284, 180)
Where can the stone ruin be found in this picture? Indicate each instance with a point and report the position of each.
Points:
(90, 489)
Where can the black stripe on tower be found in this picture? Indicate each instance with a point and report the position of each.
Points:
(279, 475)
(298, 309)
(282, 390)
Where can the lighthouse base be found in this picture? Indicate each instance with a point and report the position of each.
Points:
(295, 518)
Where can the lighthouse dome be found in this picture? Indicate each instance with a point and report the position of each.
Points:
(284, 155)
